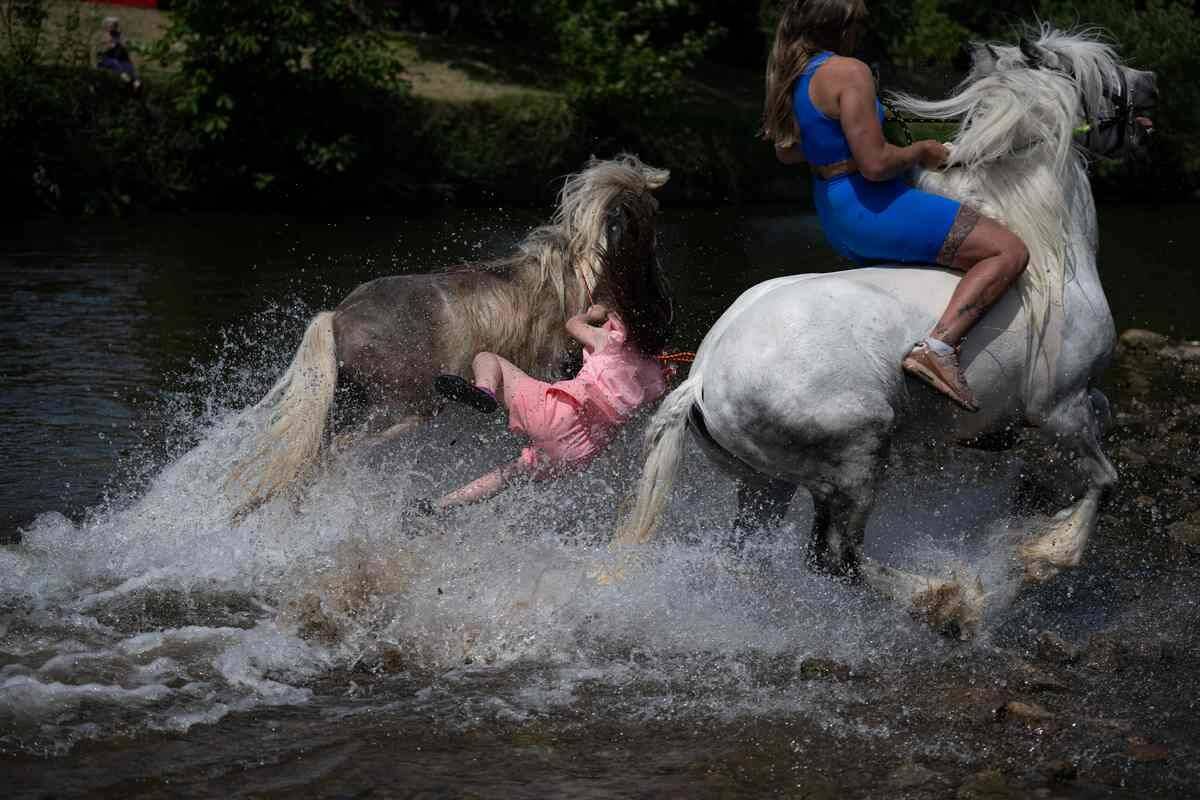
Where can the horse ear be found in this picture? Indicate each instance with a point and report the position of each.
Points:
(1033, 54)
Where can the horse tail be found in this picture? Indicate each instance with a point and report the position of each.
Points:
(664, 455)
(299, 405)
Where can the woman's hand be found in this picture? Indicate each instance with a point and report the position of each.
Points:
(931, 154)
(584, 327)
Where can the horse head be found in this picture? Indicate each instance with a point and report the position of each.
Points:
(632, 279)
(1027, 115)
(1115, 101)
(588, 198)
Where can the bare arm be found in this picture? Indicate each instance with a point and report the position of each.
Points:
(583, 327)
(483, 487)
(877, 159)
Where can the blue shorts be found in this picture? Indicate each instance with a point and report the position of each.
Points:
(886, 221)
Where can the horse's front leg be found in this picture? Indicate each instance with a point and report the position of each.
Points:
(762, 502)
(1061, 544)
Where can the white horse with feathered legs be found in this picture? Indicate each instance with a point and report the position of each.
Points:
(799, 382)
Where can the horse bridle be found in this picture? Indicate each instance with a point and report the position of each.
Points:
(1122, 117)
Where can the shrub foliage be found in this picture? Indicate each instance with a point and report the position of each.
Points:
(281, 93)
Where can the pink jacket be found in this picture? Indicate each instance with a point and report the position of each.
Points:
(616, 380)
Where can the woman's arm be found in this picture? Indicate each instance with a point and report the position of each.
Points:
(877, 159)
(483, 487)
(583, 327)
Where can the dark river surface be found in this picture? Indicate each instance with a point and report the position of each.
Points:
(149, 646)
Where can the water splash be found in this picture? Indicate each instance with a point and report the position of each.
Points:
(160, 611)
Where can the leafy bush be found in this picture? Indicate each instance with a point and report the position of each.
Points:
(612, 53)
(527, 21)
(24, 26)
(625, 57)
(494, 149)
(932, 36)
(282, 93)
(74, 139)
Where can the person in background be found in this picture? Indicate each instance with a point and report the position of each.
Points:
(114, 55)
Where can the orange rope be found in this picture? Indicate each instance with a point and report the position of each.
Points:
(682, 357)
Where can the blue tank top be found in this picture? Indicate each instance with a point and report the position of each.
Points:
(821, 138)
(868, 221)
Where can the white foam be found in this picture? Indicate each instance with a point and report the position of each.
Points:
(165, 606)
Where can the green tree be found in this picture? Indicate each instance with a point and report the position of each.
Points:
(932, 36)
(282, 90)
(628, 53)
(23, 23)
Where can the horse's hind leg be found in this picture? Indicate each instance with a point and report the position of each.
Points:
(949, 606)
(839, 524)
(843, 500)
(762, 502)
(1078, 423)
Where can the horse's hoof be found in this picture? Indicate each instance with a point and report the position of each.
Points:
(627, 563)
(950, 608)
(423, 506)
(607, 575)
(842, 569)
(1038, 569)
(1050, 553)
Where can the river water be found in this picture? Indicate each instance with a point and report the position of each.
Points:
(335, 646)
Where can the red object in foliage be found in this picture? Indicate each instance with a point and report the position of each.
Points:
(136, 3)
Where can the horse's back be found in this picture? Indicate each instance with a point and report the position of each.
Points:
(828, 327)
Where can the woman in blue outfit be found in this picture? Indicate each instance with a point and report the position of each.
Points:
(821, 108)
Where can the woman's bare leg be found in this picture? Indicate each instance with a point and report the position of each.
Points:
(993, 258)
(498, 375)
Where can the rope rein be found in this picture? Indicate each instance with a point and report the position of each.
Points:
(680, 357)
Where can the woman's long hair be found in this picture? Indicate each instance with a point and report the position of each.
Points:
(806, 28)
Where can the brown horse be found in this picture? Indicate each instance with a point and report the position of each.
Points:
(392, 335)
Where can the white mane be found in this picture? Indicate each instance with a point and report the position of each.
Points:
(575, 236)
(1014, 157)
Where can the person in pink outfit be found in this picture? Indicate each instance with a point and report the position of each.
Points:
(569, 422)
